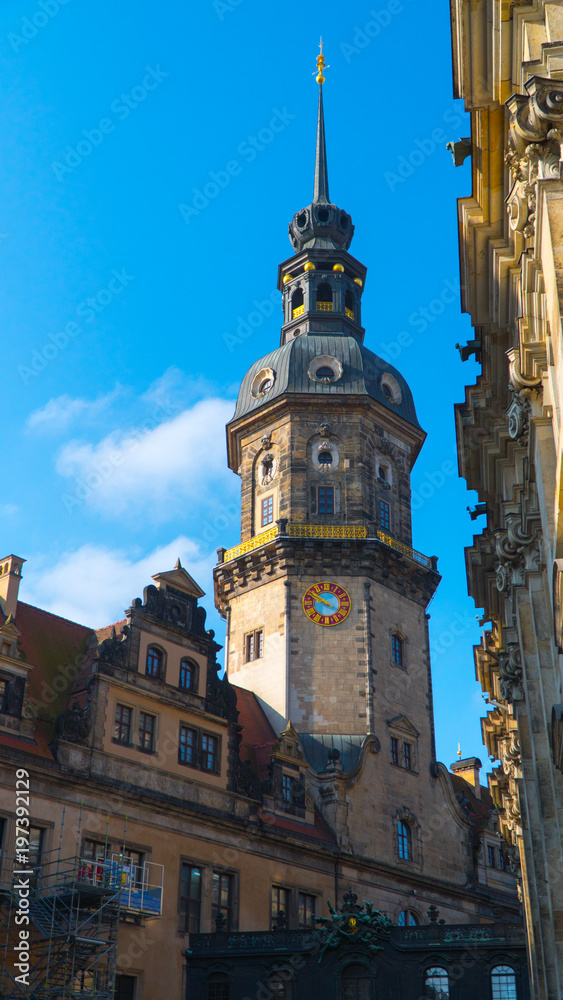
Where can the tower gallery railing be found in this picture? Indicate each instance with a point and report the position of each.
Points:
(357, 531)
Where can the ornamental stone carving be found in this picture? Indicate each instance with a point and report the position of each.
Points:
(518, 414)
(510, 673)
(511, 755)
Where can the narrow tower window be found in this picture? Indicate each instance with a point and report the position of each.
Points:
(384, 516)
(394, 750)
(397, 650)
(405, 840)
(324, 298)
(407, 756)
(326, 499)
(297, 307)
(267, 510)
(349, 305)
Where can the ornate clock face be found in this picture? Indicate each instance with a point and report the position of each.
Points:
(326, 604)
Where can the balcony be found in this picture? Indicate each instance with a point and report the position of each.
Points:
(326, 307)
(298, 312)
(349, 313)
(355, 531)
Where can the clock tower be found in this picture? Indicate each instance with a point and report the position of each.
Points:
(325, 597)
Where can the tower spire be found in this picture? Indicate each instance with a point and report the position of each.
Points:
(320, 194)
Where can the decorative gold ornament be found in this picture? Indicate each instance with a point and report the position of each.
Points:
(337, 267)
(309, 266)
(326, 604)
(358, 281)
(321, 64)
(286, 278)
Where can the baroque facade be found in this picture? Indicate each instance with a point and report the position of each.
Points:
(201, 835)
(508, 67)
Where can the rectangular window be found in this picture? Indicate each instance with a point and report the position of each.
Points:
(287, 789)
(146, 732)
(92, 866)
(267, 510)
(125, 988)
(306, 910)
(132, 868)
(190, 898)
(222, 899)
(280, 903)
(491, 856)
(326, 499)
(3, 695)
(407, 756)
(384, 516)
(187, 748)
(501, 860)
(209, 752)
(36, 845)
(394, 750)
(254, 645)
(3, 825)
(122, 725)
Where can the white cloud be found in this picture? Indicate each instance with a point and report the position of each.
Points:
(153, 468)
(8, 509)
(94, 584)
(58, 413)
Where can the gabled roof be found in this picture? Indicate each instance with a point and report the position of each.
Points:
(180, 579)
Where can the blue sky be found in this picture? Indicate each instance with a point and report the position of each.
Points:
(125, 314)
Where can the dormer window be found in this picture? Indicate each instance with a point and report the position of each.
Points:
(325, 374)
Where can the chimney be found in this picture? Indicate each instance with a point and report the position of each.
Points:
(10, 576)
(469, 769)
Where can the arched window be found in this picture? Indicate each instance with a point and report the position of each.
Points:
(279, 989)
(325, 458)
(503, 983)
(349, 305)
(155, 662)
(188, 675)
(324, 297)
(397, 650)
(218, 986)
(356, 983)
(407, 919)
(297, 307)
(436, 984)
(404, 833)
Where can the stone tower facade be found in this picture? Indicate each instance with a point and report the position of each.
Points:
(325, 598)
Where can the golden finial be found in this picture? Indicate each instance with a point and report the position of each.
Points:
(321, 64)
(459, 750)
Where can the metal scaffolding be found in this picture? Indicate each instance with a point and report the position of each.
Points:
(74, 910)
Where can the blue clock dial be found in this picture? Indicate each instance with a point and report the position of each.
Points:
(327, 603)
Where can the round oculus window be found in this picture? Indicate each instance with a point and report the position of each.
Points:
(325, 369)
(262, 382)
(325, 373)
(325, 458)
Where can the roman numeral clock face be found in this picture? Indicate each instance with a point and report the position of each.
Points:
(326, 604)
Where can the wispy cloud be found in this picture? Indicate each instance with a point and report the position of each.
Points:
(153, 468)
(94, 584)
(62, 411)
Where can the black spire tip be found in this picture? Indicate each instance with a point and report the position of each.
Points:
(320, 194)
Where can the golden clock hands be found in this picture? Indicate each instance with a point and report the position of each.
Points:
(321, 600)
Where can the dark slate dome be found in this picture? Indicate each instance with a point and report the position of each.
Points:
(298, 366)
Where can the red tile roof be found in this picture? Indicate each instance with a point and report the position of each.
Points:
(39, 746)
(258, 736)
(61, 650)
